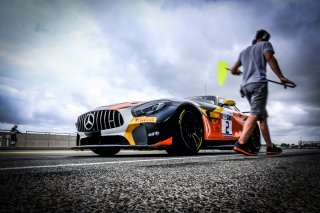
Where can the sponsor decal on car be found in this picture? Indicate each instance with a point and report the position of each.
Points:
(144, 119)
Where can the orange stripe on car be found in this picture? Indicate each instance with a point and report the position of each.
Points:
(167, 142)
(124, 105)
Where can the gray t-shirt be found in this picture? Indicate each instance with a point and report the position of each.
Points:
(254, 64)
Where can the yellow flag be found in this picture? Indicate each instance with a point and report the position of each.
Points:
(222, 72)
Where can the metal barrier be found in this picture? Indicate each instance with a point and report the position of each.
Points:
(5, 138)
(35, 139)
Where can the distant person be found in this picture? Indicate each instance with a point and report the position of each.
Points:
(14, 131)
(255, 87)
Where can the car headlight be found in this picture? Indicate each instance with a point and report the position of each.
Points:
(150, 108)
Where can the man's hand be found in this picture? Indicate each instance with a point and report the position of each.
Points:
(285, 81)
(236, 72)
(235, 69)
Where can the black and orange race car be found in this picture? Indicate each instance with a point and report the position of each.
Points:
(181, 127)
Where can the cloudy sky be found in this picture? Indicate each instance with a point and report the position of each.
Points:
(59, 59)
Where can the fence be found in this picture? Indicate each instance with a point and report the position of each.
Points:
(32, 139)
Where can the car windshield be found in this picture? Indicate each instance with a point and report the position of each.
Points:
(234, 108)
(212, 100)
(206, 99)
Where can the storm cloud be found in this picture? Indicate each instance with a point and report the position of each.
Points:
(61, 58)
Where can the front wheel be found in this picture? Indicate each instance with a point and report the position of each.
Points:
(188, 134)
(106, 152)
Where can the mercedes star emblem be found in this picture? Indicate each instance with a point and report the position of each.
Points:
(88, 121)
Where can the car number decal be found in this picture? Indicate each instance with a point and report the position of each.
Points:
(226, 124)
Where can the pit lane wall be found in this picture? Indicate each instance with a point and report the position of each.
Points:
(40, 140)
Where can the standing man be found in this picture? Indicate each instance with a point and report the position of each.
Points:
(14, 130)
(255, 87)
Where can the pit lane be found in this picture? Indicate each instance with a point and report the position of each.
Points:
(140, 181)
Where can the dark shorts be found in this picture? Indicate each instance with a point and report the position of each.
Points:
(257, 94)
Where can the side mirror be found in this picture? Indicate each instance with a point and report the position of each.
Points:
(229, 103)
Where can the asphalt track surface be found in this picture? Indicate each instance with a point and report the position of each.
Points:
(213, 181)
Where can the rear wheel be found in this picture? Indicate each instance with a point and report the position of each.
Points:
(254, 141)
(106, 152)
(188, 133)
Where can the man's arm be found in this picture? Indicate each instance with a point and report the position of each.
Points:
(273, 63)
(235, 68)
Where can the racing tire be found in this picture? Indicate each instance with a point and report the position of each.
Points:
(254, 141)
(106, 152)
(188, 133)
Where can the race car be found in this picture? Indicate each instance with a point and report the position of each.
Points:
(179, 126)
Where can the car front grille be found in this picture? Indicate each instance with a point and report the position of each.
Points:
(99, 120)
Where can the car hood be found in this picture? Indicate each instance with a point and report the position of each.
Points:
(200, 103)
(120, 105)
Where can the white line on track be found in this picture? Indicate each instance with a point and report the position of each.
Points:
(102, 163)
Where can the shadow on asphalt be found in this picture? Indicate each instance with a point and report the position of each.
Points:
(146, 154)
(295, 154)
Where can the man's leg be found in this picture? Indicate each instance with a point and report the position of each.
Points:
(265, 132)
(256, 98)
(271, 148)
(247, 129)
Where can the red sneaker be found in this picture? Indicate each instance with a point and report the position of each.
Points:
(273, 150)
(243, 149)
